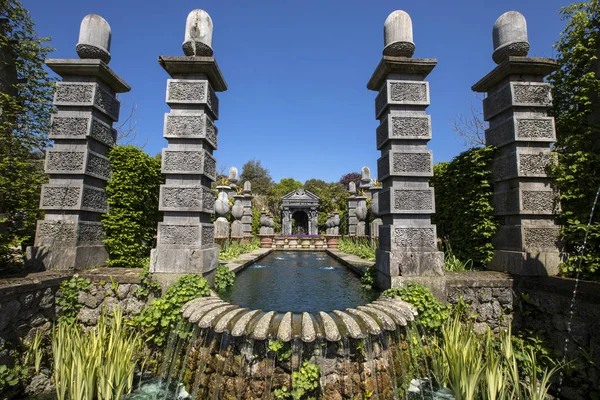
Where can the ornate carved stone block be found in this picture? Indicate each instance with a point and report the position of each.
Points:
(517, 94)
(399, 126)
(69, 125)
(186, 198)
(405, 163)
(196, 162)
(532, 198)
(527, 237)
(398, 92)
(407, 201)
(74, 196)
(196, 235)
(191, 126)
(188, 91)
(400, 237)
(523, 162)
(538, 129)
(50, 232)
(84, 162)
(77, 94)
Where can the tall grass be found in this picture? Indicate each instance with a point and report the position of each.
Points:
(485, 367)
(360, 247)
(96, 364)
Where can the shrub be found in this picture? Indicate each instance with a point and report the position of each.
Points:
(432, 314)
(68, 301)
(162, 315)
(464, 213)
(224, 278)
(231, 250)
(360, 247)
(131, 221)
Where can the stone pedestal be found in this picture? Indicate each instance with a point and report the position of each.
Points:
(186, 236)
(247, 215)
(352, 220)
(71, 234)
(516, 107)
(407, 239)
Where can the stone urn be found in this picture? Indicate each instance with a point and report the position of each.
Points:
(266, 241)
(293, 242)
(306, 243)
(279, 242)
(319, 242)
(332, 242)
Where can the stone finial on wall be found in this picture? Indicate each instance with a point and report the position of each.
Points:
(510, 36)
(233, 175)
(222, 209)
(198, 34)
(516, 107)
(94, 38)
(71, 235)
(247, 187)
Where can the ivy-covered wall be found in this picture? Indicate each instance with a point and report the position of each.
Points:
(463, 211)
(130, 224)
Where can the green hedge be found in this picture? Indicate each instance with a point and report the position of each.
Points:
(464, 213)
(130, 224)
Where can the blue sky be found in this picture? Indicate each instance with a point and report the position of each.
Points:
(297, 70)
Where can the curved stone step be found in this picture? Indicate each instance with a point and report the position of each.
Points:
(240, 326)
(332, 333)
(221, 325)
(261, 330)
(284, 333)
(351, 325)
(213, 315)
(190, 306)
(202, 309)
(308, 328)
(372, 325)
(397, 316)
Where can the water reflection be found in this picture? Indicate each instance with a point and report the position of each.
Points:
(297, 282)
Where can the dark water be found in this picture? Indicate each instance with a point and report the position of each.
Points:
(298, 281)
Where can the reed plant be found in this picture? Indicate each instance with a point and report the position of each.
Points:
(35, 352)
(98, 363)
(360, 247)
(485, 366)
(231, 250)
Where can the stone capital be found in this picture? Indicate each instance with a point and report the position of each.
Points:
(189, 65)
(88, 67)
(532, 66)
(400, 65)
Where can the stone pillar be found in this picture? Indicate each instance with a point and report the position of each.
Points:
(376, 223)
(237, 211)
(186, 236)
(247, 214)
(361, 215)
(222, 209)
(365, 181)
(233, 178)
(286, 221)
(352, 204)
(407, 239)
(516, 107)
(71, 234)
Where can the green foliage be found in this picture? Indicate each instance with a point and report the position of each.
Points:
(148, 286)
(360, 247)
(224, 278)
(68, 303)
(464, 213)
(231, 250)
(255, 221)
(11, 377)
(97, 364)
(304, 383)
(281, 349)
(575, 88)
(25, 108)
(432, 314)
(369, 279)
(333, 197)
(453, 263)
(258, 175)
(161, 316)
(131, 221)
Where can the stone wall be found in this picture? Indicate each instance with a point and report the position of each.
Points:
(490, 297)
(27, 303)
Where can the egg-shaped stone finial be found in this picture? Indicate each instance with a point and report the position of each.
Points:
(94, 38)
(233, 175)
(198, 34)
(510, 36)
(398, 35)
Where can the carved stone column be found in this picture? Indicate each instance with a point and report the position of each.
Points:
(516, 107)
(71, 234)
(186, 236)
(407, 239)
(352, 204)
(247, 215)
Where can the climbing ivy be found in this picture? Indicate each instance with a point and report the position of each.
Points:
(68, 298)
(463, 211)
(131, 221)
(161, 316)
(575, 88)
(304, 383)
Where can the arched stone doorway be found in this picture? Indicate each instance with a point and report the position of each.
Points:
(300, 204)
(300, 222)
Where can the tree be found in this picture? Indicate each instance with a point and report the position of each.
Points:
(576, 109)
(258, 175)
(333, 198)
(471, 128)
(25, 109)
(350, 177)
(131, 221)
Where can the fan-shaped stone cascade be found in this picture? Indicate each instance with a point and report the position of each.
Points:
(384, 314)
